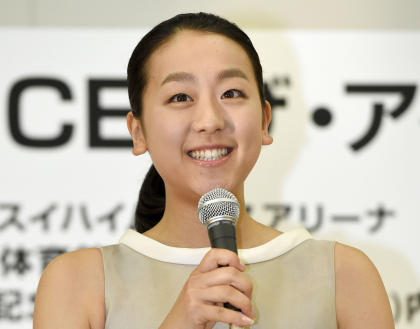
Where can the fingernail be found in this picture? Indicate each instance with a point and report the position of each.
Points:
(242, 264)
(246, 320)
(234, 326)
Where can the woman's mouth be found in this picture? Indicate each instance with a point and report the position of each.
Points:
(210, 154)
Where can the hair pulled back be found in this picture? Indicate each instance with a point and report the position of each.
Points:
(151, 204)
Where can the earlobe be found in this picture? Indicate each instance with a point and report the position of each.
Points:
(137, 135)
(266, 138)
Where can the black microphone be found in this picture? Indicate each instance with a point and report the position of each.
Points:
(218, 210)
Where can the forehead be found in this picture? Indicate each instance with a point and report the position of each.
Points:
(198, 53)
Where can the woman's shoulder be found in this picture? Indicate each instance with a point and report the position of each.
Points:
(361, 299)
(348, 259)
(71, 292)
(83, 264)
(352, 265)
(79, 269)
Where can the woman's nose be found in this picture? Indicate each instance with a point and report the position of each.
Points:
(208, 117)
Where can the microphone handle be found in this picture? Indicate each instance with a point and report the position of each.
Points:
(222, 234)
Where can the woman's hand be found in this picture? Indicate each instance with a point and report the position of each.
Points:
(200, 303)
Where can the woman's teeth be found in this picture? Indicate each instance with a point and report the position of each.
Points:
(209, 155)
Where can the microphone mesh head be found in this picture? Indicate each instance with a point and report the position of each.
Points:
(217, 202)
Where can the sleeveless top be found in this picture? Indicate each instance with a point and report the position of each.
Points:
(293, 281)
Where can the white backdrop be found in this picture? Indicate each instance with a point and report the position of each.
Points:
(344, 164)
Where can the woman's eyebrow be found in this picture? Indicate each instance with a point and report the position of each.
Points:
(185, 76)
(179, 76)
(231, 73)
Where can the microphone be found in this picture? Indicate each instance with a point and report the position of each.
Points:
(218, 210)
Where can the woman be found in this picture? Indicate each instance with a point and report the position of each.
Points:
(196, 91)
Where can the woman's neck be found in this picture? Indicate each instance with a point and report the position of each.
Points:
(180, 226)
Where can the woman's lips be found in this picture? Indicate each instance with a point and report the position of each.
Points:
(210, 156)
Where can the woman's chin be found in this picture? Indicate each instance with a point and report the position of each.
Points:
(205, 187)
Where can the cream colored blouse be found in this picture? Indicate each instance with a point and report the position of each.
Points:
(293, 277)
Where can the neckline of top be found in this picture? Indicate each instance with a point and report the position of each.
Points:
(193, 256)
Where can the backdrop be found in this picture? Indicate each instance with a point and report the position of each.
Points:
(344, 163)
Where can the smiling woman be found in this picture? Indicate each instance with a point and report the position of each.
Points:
(195, 106)
(196, 92)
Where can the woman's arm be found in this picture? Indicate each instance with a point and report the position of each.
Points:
(70, 293)
(361, 299)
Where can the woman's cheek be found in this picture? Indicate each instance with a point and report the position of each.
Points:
(251, 141)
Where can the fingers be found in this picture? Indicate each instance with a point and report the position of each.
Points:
(221, 314)
(208, 273)
(223, 294)
(200, 302)
(227, 276)
(219, 257)
(216, 284)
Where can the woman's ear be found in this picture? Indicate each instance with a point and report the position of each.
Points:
(137, 134)
(266, 138)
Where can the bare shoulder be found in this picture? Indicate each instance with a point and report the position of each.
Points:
(70, 293)
(361, 299)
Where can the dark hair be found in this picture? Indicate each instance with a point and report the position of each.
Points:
(151, 204)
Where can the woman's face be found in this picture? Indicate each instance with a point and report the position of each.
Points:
(202, 120)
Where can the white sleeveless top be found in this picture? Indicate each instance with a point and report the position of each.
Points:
(293, 281)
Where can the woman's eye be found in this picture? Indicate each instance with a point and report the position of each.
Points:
(232, 93)
(180, 98)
